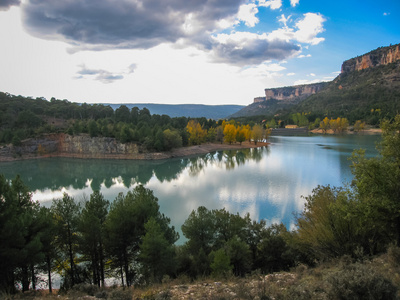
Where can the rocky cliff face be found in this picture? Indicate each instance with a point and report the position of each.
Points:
(378, 57)
(82, 146)
(291, 93)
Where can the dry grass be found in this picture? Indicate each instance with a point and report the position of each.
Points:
(378, 278)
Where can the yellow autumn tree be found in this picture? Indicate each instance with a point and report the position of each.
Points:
(240, 135)
(257, 133)
(247, 132)
(359, 126)
(229, 133)
(333, 124)
(196, 132)
(324, 125)
(343, 124)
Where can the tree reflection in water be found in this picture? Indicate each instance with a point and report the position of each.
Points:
(58, 173)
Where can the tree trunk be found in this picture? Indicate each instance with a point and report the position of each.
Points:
(101, 263)
(25, 279)
(71, 257)
(94, 271)
(33, 277)
(126, 267)
(49, 273)
(122, 275)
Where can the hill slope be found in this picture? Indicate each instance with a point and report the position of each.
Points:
(368, 88)
(359, 94)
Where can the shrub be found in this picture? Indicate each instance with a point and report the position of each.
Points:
(83, 289)
(394, 255)
(359, 281)
(120, 294)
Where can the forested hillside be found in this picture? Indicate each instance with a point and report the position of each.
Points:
(357, 95)
(25, 118)
(215, 112)
(368, 89)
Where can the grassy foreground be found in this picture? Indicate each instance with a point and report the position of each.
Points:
(345, 278)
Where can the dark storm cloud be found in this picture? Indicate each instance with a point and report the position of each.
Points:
(254, 51)
(101, 75)
(123, 24)
(142, 24)
(6, 4)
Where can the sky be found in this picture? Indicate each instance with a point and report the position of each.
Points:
(183, 51)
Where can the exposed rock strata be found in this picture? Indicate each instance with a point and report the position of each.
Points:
(378, 57)
(291, 93)
(83, 146)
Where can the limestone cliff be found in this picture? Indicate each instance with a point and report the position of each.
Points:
(377, 57)
(291, 93)
(82, 146)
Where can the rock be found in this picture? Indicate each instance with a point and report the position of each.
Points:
(377, 57)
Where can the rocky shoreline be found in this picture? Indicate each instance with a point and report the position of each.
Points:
(85, 147)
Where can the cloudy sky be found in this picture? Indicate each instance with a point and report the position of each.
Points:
(182, 51)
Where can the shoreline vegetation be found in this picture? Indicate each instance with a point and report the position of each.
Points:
(185, 151)
(367, 131)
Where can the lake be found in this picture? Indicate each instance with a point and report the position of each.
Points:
(266, 182)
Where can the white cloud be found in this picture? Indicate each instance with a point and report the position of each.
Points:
(284, 20)
(247, 14)
(290, 74)
(294, 2)
(386, 14)
(175, 58)
(309, 28)
(303, 56)
(305, 81)
(273, 4)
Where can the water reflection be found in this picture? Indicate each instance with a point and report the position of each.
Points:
(266, 182)
(56, 173)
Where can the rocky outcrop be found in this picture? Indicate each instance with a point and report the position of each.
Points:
(30, 148)
(97, 147)
(82, 146)
(378, 57)
(291, 93)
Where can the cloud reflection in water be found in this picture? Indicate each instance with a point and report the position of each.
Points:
(267, 183)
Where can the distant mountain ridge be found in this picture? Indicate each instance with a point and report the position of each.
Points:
(185, 110)
(366, 83)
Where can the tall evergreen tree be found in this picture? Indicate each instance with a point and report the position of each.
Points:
(20, 231)
(156, 252)
(125, 227)
(91, 228)
(66, 216)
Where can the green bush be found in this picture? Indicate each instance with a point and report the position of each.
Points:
(120, 294)
(359, 281)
